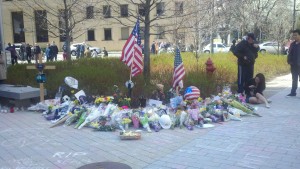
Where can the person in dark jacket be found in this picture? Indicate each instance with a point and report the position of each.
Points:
(246, 52)
(36, 51)
(13, 53)
(22, 51)
(254, 90)
(54, 51)
(293, 60)
(48, 53)
(28, 53)
(232, 47)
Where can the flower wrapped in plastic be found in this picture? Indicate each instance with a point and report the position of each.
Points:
(103, 99)
(144, 121)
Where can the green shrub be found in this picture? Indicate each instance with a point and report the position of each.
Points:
(97, 76)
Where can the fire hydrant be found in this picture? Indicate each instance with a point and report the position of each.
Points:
(210, 68)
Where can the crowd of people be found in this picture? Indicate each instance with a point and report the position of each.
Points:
(26, 52)
(159, 46)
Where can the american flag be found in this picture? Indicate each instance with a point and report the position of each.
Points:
(132, 51)
(178, 69)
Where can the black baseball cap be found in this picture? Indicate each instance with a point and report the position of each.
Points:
(251, 35)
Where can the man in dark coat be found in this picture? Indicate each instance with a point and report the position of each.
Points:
(293, 60)
(54, 51)
(246, 52)
(13, 53)
(36, 51)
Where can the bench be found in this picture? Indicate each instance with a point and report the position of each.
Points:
(20, 95)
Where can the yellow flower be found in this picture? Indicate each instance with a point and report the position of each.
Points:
(126, 121)
(200, 99)
(202, 109)
(72, 91)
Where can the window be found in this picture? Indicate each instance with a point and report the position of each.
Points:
(91, 35)
(160, 8)
(18, 27)
(89, 12)
(221, 46)
(160, 32)
(106, 11)
(124, 33)
(41, 26)
(178, 8)
(124, 10)
(142, 32)
(107, 34)
(142, 9)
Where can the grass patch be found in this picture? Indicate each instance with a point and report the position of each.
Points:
(97, 76)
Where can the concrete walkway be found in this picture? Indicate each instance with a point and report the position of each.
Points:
(268, 142)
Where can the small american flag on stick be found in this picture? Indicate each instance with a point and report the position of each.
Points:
(178, 69)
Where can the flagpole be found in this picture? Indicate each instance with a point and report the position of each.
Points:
(131, 65)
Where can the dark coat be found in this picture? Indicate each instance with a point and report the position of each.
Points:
(245, 49)
(294, 54)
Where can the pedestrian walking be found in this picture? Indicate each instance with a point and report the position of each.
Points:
(94, 53)
(54, 51)
(78, 51)
(13, 53)
(28, 53)
(82, 50)
(232, 47)
(48, 53)
(246, 52)
(153, 47)
(293, 60)
(87, 53)
(105, 53)
(23, 51)
(36, 51)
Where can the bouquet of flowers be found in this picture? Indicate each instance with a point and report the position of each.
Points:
(102, 99)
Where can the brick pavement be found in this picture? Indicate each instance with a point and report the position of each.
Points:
(268, 142)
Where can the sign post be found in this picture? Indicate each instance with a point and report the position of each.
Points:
(41, 77)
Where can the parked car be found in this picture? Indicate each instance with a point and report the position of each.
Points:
(217, 47)
(74, 46)
(272, 47)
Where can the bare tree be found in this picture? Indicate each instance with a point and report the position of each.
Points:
(152, 14)
(61, 18)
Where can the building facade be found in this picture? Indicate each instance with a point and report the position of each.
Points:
(98, 24)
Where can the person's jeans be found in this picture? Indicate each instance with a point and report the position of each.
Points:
(295, 70)
(245, 73)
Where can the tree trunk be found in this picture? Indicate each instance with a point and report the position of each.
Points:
(67, 29)
(147, 43)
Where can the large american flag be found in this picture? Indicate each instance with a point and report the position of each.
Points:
(178, 69)
(132, 51)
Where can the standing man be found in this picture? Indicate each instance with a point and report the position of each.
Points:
(78, 51)
(23, 51)
(36, 51)
(54, 51)
(293, 60)
(13, 53)
(28, 53)
(105, 53)
(246, 52)
(82, 50)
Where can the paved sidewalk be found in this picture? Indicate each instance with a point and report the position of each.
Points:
(268, 142)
